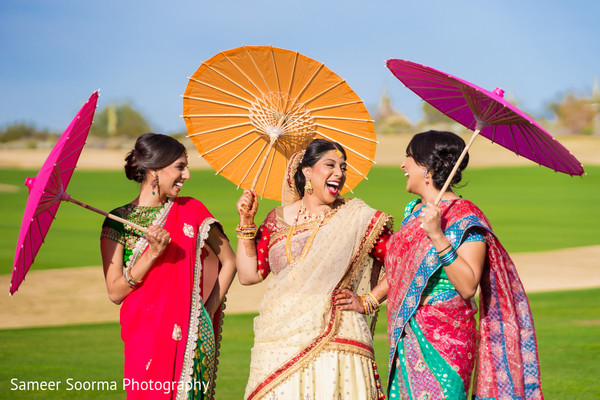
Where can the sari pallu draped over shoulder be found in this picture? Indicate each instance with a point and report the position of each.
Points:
(297, 321)
(170, 341)
(507, 365)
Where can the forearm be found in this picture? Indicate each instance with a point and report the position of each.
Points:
(246, 255)
(118, 290)
(380, 291)
(462, 278)
(247, 262)
(117, 284)
(346, 299)
(221, 287)
(225, 278)
(464, 267)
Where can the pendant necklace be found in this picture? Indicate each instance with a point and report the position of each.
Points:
(288, 242)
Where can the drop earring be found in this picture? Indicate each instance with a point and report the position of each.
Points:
(308, 187)
(425, 173)
(154, 184)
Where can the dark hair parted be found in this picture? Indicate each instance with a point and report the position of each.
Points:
(438, 151)
(152, 151)
(314, 151)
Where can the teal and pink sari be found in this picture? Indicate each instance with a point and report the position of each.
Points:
(169, 340)
(434, 343)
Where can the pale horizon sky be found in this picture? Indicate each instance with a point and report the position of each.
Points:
(55, 53)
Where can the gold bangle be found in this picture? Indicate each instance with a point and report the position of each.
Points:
(246, 232)
(246, 235)
(365, 304)
(374, 299)
(247, 228)
(132, 278)
(128, 279)
(370, 303)
(127, 282)
(128, 276)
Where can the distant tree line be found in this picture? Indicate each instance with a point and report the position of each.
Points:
(116, 125)
(571, 115)
(119, 121)
(24, 131)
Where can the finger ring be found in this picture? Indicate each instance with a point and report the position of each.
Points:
(421, 225)
(350, 302)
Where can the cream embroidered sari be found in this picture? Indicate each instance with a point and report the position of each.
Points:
(304, 347)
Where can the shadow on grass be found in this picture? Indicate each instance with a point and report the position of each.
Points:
(567, 324)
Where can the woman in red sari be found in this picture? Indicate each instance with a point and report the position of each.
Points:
(171, 281)
(434, 265)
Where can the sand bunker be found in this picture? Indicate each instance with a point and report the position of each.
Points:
(78, 295)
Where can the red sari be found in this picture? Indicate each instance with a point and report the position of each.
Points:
(165, 329)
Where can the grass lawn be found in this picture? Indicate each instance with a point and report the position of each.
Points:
(531, 208)
(568, 331)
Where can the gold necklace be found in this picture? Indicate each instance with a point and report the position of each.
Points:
(288, 242)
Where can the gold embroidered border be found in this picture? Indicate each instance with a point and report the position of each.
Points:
(351, 349)
(371, 235)
(112, 234)
(299, 361)
(282, 234)
(195, 312)
(305, 226)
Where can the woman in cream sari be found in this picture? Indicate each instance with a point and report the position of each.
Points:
(312, 339)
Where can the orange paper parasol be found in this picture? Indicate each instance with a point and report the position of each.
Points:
(247, 110)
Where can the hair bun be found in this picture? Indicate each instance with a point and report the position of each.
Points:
(439, 151)
(132, 169)
(152, 151)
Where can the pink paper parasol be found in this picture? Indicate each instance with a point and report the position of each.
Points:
(47, 190)
(485, 113)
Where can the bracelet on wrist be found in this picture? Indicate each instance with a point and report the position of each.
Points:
(370, 303)
(129, 279)
(444, 249)
(247, 232)
(448, 258)
(245, 228)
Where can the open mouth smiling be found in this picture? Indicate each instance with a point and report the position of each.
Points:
(333, 187)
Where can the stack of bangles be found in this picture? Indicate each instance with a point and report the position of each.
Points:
(130, 279)
(246, 232)
(447, 256)
(370, 303)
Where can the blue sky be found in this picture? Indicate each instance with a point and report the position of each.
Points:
(55, 53)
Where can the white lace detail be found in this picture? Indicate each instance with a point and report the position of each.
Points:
(195, 312)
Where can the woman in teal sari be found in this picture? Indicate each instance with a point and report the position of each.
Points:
(434, 265)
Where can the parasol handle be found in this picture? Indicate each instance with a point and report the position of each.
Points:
(264, 161)
(111, 216)
(453, 172)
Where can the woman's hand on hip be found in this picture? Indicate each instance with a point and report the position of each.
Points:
(345, 299)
